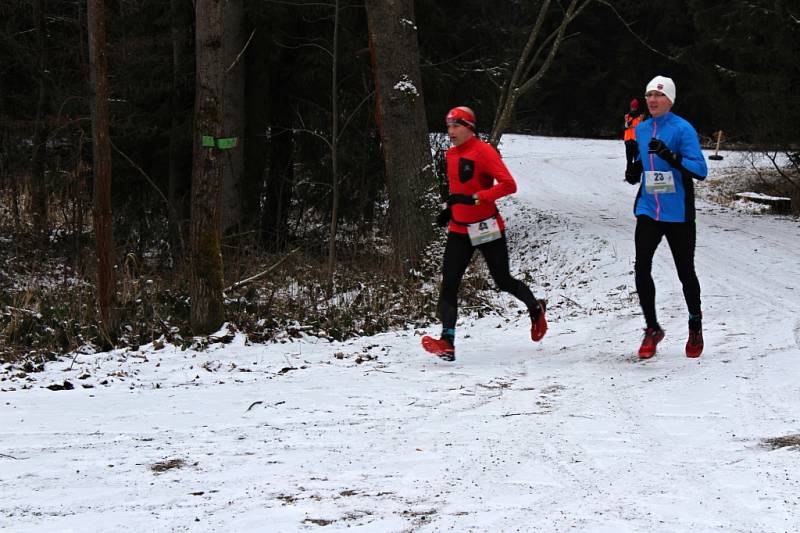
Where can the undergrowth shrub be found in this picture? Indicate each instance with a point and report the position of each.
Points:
(48, 299)
(775, 174)
(50, 310)
(780, 177)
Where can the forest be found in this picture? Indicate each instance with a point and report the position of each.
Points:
(276, 165)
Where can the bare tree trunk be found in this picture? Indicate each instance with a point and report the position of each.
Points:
(402, 125)
(206, 279)
(280, 179)
(258, 101)
(101, 153)
(179, 169)
(233, 167)
(38, 182)
(279, 117)
(334, 144)
(8, 177)
(521, 81)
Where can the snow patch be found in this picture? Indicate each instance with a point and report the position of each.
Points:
(373, 434)
(408, 23)
(405, 85)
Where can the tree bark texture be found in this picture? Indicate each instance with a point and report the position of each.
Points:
(38, 181)
(334, 143)
(206, 279)
(402, 126)
(101, 153)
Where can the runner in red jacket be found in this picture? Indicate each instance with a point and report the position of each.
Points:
(477, 177)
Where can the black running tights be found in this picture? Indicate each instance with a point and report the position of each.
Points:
(631, 151)
(457, 255)
(681, 240)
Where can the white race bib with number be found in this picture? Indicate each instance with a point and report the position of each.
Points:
(484, 231)
(659, 181)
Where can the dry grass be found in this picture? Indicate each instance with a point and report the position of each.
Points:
(169, 464)
(787, 441)
(744, 176)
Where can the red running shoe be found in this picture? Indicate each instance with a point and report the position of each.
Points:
(539, 326)
(652, 336)
(441, 348)
(694, 346)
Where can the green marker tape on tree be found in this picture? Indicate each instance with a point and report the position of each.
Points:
(226, 143)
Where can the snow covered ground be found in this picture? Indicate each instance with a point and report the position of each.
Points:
(571, 434)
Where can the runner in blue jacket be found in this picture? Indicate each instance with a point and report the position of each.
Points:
(669, 160)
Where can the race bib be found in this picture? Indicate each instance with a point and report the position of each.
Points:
(484, 231)
(659, 181)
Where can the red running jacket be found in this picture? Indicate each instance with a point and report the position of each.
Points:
(475, 167)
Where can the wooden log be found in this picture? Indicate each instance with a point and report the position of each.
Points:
(779, 204)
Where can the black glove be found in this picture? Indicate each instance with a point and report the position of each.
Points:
(657, 146)
(444, 217)
(460, 199)
(633, 172)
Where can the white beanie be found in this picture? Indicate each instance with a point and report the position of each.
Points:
(664, 85)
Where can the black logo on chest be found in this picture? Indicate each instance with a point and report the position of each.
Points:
(466, 169)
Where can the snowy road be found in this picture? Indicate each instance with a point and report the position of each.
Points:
(573, 434)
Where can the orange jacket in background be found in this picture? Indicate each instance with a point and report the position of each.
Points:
(632, 119)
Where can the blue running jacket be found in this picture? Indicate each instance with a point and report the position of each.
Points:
(661, 196)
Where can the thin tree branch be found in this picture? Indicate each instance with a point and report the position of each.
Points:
(21, 309)
(635, 35)
(568, 17)
(352, 114)
(449, 60)
(142, 172)
(794, 159)
(773, 158)
(553, 35)
(513, 82)
(315, 134)
(300, 4)
(242, 283)
(294, 3)
(12, 457)
(305, 45)
(238, 57)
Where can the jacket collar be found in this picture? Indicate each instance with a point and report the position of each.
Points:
(663, 118)
(467, 144)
